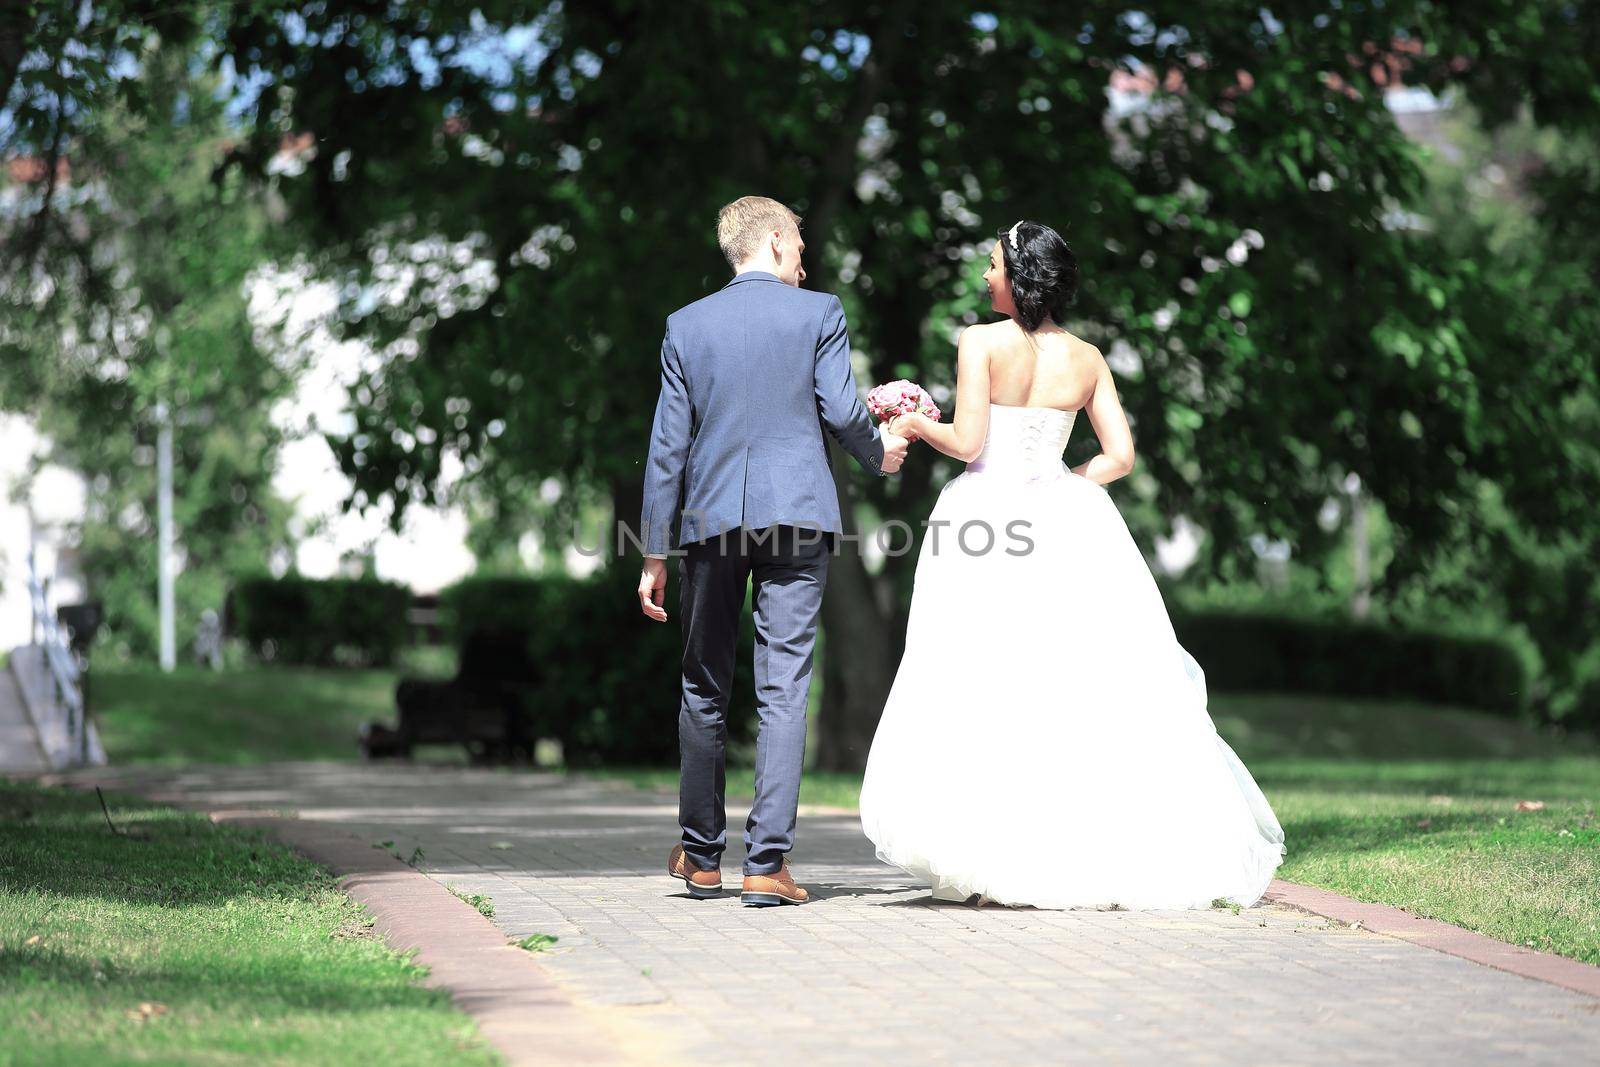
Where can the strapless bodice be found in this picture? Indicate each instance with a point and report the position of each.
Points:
(1026, 442)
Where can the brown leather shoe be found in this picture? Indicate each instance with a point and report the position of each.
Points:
(771, 890)
(703, 885)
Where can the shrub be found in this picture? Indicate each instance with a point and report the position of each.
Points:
(320, 622)
(1577, 705)
(1242, 650)
(609, 688)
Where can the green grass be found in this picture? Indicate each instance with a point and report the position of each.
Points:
(1407, 805)
(181, 942)
(1445, 839)
(538, 942)
(252, 715)
(484, 904)
(1416, 807)
(1272, 726)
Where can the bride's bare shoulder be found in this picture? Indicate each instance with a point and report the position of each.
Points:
(984, 332)
(1083, 351)
(980, 339)
(986, 335)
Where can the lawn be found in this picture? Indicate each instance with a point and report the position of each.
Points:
(1398, 804)
(249, 715)
(245, 716)
(1445, 839)
(181, 942)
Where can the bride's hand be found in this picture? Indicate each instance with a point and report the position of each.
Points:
(905, 426)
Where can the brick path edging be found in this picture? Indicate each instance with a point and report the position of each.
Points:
(1439, 936)
(517, 1006)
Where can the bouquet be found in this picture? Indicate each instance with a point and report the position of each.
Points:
(900, 398)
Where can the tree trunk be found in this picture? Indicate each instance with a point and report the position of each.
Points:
(15, 26)
(627, 501)
(860, 661)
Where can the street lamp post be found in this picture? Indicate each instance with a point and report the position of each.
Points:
(164, 537)
(1360, 548)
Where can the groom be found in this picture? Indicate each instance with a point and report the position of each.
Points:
(738, 479)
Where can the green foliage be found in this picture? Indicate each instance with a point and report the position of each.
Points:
(242, 950)
(538, 942)
(619, 708)
(483, 904)
(1584, 708)
(1254, 652)
(62, 62)
(320, 621)
(1499, 572)
(1509, 202)
(126, 292)
(1248, 380)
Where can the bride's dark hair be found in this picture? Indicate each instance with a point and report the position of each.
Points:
(1043, 273)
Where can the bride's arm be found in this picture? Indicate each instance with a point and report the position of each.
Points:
(962, 437)
(1111, 427)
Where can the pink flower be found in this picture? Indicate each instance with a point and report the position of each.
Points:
(900, 398)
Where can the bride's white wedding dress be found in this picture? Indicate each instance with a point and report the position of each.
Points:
(1046, 740)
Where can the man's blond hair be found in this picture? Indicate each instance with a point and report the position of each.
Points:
(745, 223)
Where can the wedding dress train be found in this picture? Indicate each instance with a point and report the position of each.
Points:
(1046, 740)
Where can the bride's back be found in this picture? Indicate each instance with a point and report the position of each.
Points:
(1053, 369)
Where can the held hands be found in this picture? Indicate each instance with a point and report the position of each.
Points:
(898, 433)
(905, 425)
(894, 451)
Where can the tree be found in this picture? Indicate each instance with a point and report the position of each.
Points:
(1510, 200)
(64, 66)
(137, 298)
(1276, 327)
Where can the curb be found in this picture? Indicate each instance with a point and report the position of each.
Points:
(1439, 936)
(519, 1009)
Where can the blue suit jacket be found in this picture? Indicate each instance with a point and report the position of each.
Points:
(750, 377)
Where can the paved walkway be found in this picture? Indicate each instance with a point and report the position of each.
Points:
(874, 972)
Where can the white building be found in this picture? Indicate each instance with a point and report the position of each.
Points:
(38, 504)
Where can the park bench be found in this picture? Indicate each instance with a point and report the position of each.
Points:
(487, 708)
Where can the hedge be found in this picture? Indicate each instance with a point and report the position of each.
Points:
(609, 677)
(609, 688)
(1258, 651)
(320, 621)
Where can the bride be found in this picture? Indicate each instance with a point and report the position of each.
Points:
(1046, 740)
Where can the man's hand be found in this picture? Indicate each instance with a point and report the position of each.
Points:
(653, 589)
(894, 451)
